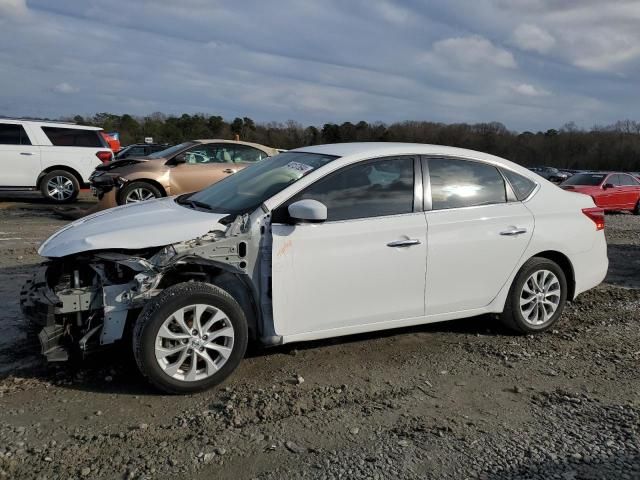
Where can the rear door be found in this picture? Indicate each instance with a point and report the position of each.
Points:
(19, 159)
(478, 232)
(610, 195)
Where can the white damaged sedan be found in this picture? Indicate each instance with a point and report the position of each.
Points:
(316, 242)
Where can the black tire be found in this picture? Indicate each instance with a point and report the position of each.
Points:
(64, 178)
(137, 186)
(158, 309)
(636, 211)
(512, 316)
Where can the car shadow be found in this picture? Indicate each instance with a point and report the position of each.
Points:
(624, 265)
(595, 467)
(114, 370)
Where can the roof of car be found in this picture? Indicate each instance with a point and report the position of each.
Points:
(239, 142)
(389, 148)
(47, 123)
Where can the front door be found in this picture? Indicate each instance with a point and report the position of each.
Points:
(19, 160)
(476, 237)
(365, 265)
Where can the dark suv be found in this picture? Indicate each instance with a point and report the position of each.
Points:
(550, 173)
(140, 150)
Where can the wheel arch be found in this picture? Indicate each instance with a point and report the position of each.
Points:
(66, 168)
(233, 281)
(565, 264)
(155, 183)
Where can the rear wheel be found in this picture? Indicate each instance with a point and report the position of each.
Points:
(190, 337)
(136, 192)
(537, 297)
(60, 186)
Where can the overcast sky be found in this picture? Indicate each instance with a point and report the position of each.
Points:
(531, 64)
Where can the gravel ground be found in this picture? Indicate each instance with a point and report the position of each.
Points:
(456, 400)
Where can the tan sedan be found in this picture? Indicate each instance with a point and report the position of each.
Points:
(184, 168)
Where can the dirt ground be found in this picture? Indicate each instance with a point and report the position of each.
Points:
(462, 399)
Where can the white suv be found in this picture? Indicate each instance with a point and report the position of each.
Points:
(55, 158)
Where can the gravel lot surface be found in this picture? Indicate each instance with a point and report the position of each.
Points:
(462, 399)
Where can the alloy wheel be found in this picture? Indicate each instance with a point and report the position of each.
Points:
(139, 194)
(540, 297)
(194, 342)
(60, 188)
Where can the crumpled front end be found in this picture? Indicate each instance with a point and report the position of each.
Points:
(80, 304)
(83, 302)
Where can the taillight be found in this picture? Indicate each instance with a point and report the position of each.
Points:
(105, 156)
(596, 215)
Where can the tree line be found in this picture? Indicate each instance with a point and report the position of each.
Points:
(615, 147)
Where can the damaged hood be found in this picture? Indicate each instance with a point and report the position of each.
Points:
(153, 223)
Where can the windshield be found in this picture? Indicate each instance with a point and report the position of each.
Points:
(591, 179)
(246, 190)
(168, 152)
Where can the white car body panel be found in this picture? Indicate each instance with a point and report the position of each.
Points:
(467, 253)
(28, 157)
(341, 278)
(131, 227)
(20, 170)
(81, 159)
(350, 263)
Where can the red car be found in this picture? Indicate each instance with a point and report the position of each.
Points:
(610, 191)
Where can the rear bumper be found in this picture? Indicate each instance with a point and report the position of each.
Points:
(590, 267)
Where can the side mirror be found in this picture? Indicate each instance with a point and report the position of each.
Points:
(607, 185)
(308, 211)
(178, 159)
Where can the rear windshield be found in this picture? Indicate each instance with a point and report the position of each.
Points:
(74, 137)
(585, 179)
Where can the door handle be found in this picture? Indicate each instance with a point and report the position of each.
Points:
(404, 243)
(229, 170)
(26, 153)
(513, 231)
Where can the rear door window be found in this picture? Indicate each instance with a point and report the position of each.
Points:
(13, 134)
(74, 137)
(459, 183)
(628, 181)
(244, 153)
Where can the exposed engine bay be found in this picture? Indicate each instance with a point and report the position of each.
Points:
(84, 302)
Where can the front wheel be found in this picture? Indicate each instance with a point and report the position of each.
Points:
(60, 186)
(136, 192)
(537, 297)
(190, 337)
(636, 210)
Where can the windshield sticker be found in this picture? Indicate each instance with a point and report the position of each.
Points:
(300, 167)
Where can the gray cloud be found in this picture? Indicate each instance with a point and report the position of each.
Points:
(528, 63)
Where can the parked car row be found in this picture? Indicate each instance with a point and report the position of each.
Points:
(61, 158)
